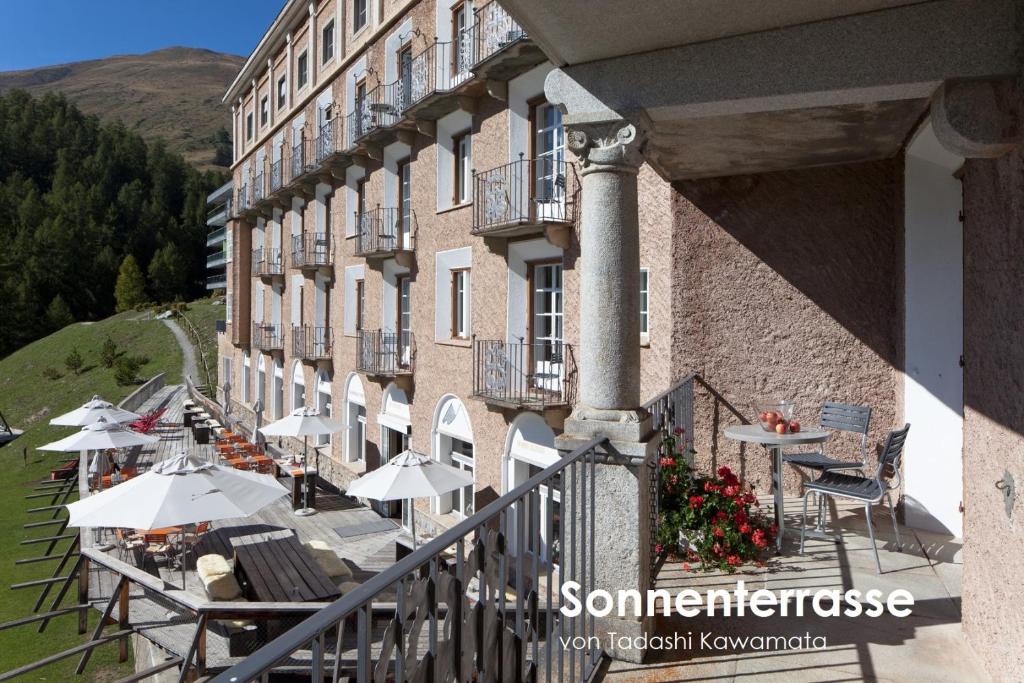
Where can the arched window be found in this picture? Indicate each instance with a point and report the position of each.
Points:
(278, 389)
(246, 368)
(323, 402)
(529, 449)
(395, 424)
(298, 386)
(453, 445)
(355, 420)
(261, 382)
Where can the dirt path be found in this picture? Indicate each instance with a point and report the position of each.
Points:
(188, 365)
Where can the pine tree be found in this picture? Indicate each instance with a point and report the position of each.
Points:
(167, 273)
(58, 314)
(130, 290)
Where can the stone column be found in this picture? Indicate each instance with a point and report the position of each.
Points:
(608, 406)
(610, 159)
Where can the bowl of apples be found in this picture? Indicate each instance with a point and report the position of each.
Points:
(777, 417)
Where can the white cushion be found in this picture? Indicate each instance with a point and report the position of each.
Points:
(222, 587)
(347, 586)
(332, 565)
(212, 565)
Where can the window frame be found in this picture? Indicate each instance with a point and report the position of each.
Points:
(460, 175)
(458, 10)
(250, 125)
(360, 304)
(645, 306)
(403, 167)
(265, 111)
(360, 7)
(455, 275)
(302, 71)
(465, 463)
(282, 92)
(327, 45)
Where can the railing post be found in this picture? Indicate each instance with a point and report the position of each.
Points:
(122, 622)
(83, 593)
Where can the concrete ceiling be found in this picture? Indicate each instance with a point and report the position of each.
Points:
(577, 31)
(770, 141)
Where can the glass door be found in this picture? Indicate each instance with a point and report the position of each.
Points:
(404, 78)
(546, 326)
(394, 443)
(550, 512)
(548, 172)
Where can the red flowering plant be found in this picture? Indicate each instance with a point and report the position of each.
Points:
(713, 520)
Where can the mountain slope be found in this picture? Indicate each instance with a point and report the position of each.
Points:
(174, 94)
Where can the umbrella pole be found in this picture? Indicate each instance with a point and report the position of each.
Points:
(306, 510)
(412, 514)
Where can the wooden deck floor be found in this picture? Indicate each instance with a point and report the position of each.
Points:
(172, 627)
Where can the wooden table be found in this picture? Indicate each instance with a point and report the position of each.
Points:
(280, 570)
(775, 443)
(298, 475)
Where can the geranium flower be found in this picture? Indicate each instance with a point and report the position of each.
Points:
(710, 488)
(731, 491)
(734, 560)
(724, 472)
(744, 529)
(678, 431)
(696, 501)
(719, 532)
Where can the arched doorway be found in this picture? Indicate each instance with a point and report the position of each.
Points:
(298, 386)
(355, 420)
(529, 449)
(395, 424)
(278, 389)
(323, 402)
(452, 436)
(261, 382)
(246, 379)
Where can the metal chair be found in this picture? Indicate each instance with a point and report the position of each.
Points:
(842, 417)
(867, 490)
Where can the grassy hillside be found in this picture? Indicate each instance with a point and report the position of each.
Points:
(28, 399)
(204, 314)
(174, 94)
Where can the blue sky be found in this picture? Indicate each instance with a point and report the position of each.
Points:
(41, 32)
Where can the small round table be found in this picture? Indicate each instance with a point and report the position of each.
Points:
(775, 443)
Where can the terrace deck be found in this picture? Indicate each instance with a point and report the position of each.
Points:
(170, 625)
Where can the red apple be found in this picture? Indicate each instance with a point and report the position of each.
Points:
(794, 426)
(763, 417)
(780, 428)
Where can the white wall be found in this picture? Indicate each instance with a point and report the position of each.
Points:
(323, 190)
(352, 273)
(391, 45)
(445, 262)
(521, 90)
(389, 304)
(519, 253)
(393, 153)
(353, 174)
(933, 379)
(296, 304)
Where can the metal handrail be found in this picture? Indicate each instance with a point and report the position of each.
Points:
(496, 30)
(267, 336)
(498, 531)
(276, 175)
(385, 353)
(312, 249)
(383, 231)
(312, 342)
(525, 192)
(326, 142)
(527, 375)
(267, 261)
(259, 187)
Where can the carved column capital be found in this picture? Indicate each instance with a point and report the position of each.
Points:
(615, 146)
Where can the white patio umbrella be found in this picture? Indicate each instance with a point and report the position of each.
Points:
(407, 476)
(100, 435)
(304, 422)
(182, 490)
(91, 411)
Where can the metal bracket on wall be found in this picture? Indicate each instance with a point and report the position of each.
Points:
(1009, 489)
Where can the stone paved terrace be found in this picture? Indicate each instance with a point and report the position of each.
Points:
(925, 646)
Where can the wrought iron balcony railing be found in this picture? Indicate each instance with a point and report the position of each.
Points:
(303, 160)
(312, 250)
(276, 177)
(327, 138)
(525, 192)
(383, 353)
(495, 31)
(268, 336)
(244, 199)
(380, 108)
(440, 68)
(383, 232)
(499, 571)
(312, 343)
(259, 188)
(266, 261)
(533, 376)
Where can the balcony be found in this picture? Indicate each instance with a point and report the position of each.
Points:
(215, 259)
(312, 251)
(328, 140)
(276, 175)
(302, 161)
(244, 199)
(386, 233)
(216, 237)
(218, 281)
(381, 353)
(312, 343)
(259, 188)
(525, 197)
(381, 108)
(266, 262)
(501, 49)
(524, 376)
(268, 336)
(219, 214)
(440, 74)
